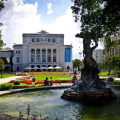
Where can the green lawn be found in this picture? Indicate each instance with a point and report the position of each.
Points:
(54, 77)
(105, 73)
(7, 75)
(46, 73)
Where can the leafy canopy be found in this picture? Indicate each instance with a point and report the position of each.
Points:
(1, 41)
(97, 15)
(2, 65)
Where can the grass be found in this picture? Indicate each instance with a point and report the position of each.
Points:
(54, 77)
(105, 73)
(7, 75)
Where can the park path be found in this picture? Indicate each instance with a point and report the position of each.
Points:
(5, 80)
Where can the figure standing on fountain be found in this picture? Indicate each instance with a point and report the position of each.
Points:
(89, 63)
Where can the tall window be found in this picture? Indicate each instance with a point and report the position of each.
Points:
(17, 51)
(33, 40)
(49, 59)
(67, 54)
(38, 58)
(32, 59)
(54, 59)
(37, 40)
(53, 40)
(43, 58)
(48, 51)
(38, 51)
(43, 51)
(54, 51)
(18, 60)
(32, 51)
(49, 40)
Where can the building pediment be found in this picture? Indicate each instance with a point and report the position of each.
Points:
(42, 43)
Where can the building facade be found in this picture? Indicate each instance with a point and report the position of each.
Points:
(42, 49)
(115, 50)
(98, 55)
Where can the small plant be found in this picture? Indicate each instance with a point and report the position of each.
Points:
(5, 86)
(17, 82)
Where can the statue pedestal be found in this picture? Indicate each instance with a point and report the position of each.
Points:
(94, 97)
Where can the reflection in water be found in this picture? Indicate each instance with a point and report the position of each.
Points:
(49, 104)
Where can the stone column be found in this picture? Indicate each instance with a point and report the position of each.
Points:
(46, 54)
(40, 55)
(51, 55)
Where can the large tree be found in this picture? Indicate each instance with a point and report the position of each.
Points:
(1, 41)
(98, 15)
(2, 66)
(101, 16)
(77, 64)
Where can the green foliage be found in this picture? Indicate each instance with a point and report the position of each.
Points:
(118, 74)
(17, 82)
(99, 16)
(5, 86)
(7, 75)
(1, 41)
(114, 61)
(77, 63)
(101, 65)
(2, 66)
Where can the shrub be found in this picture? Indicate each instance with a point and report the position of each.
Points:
(118, 74)
(17, 82)
(110, 79)
(5, 86)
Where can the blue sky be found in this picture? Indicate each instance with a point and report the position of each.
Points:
(31, 16)
(58, 6)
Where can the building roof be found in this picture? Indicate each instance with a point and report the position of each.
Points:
(17, 45)
(97, 50)
(42, 32)
(7, 49)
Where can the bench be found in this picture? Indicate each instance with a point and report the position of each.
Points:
(21, 74)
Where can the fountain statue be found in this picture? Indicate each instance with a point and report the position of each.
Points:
(89, 88)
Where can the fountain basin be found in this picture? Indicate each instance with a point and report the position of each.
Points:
(89, 96)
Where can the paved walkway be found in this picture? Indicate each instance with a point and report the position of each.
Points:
(5, 80)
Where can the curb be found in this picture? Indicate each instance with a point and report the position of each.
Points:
(32, 89)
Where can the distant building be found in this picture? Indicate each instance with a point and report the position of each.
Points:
(6, 55)
(42, 49)
(115, 50)
(98, 55)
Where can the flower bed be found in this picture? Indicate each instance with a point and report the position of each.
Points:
(42, 81)
(28, 81)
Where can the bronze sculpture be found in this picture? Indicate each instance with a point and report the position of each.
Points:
(89, 89)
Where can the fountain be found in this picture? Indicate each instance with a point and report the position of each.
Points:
(89, 89)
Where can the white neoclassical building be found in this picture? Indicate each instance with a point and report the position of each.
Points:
(42, 49)
(98, 55)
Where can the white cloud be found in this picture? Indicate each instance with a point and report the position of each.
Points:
(19, 18)
(49, 5)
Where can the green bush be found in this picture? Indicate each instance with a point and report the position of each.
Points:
(118, 74)
(17, 82)
(5, 86)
